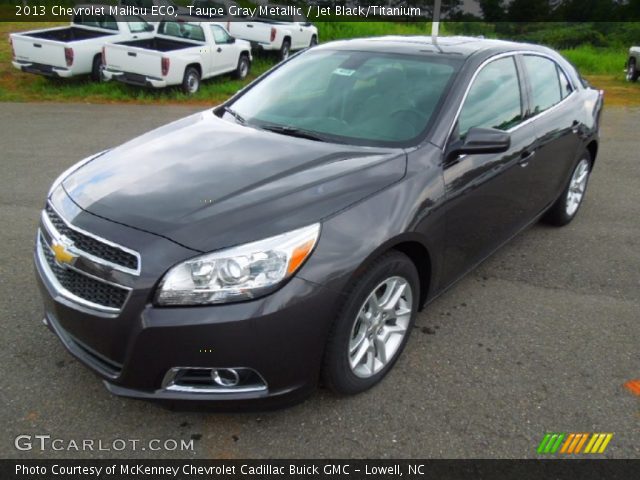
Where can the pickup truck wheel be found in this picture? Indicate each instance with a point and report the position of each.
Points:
(567, 205)
(191, 81)
(632, 71)
(373, 325)
(285, 49)
(96, 69)
(244, 65)
(313, 42)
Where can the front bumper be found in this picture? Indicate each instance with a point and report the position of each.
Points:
(41, 69)
(134, 79)
(281, 337)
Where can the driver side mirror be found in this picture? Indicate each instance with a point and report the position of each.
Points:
(149, 28)
(231, 39)
(481, 140)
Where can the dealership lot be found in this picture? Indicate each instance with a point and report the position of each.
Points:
(538, 339)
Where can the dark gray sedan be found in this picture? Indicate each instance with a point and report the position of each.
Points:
(244, 253)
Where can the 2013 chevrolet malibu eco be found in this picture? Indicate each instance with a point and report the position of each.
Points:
(288, 237)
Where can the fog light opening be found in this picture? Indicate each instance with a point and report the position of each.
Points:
(225, 377)
(213, 380)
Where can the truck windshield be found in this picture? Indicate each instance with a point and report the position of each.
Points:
(365, 98)
(187, 31)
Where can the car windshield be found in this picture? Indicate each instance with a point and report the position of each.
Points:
(364, 98)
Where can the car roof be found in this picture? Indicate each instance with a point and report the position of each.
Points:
(454, 45)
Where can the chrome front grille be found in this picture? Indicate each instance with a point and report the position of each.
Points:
(91, 245)
(91, 290)
(84, 268)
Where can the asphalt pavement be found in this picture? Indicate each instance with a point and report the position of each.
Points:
(540, 338)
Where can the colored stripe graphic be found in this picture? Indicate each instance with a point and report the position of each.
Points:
(598, 443)
(633, 386)
(550, 443)
(574, 443)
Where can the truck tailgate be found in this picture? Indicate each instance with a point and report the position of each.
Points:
(134, 60)
(253, 31)
(46, 52)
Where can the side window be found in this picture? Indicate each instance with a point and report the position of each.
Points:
(494, 100)
(565, 85)
(544, 81)
(220, 36)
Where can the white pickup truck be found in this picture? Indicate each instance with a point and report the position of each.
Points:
(270, 30)
(74, 50)
(181, 53)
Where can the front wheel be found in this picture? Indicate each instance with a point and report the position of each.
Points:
(191, 81)
(313, 42)
(373, 325)
(567, 205)
(632, 72)
(244, 65)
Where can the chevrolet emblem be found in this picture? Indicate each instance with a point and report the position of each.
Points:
(61, 252)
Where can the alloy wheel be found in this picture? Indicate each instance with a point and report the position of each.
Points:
(380, 327)
(577, 187)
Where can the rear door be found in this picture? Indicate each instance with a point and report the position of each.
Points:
(486, 195)
(556, 115)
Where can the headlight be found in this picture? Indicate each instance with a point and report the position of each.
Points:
(238, 273)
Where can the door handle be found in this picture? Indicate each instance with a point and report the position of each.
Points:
(219, 49)
(249, 25)
(37, 45)
(525, 158)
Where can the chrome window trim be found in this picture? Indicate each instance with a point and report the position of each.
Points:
(63, 292)
(498, 57)
(91, 257)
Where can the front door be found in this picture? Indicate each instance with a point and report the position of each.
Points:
(224, 58)
(487, 194)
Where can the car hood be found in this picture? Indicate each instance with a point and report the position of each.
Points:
(208, 183)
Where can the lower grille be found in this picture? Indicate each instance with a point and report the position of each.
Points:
(82, 286)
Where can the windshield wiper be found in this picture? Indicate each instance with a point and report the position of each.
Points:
(235, 115)
(293, 132)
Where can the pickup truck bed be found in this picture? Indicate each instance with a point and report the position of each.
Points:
(158, 44)
(71, 34)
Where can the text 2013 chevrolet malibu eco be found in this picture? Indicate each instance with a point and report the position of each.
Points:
(244, 253)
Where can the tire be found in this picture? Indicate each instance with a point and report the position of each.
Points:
(191, 81)
(358, 334)
(313, 42)
(96, 69)
(243, 68)
(285, 49)
(567, 205)
(632, 71)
